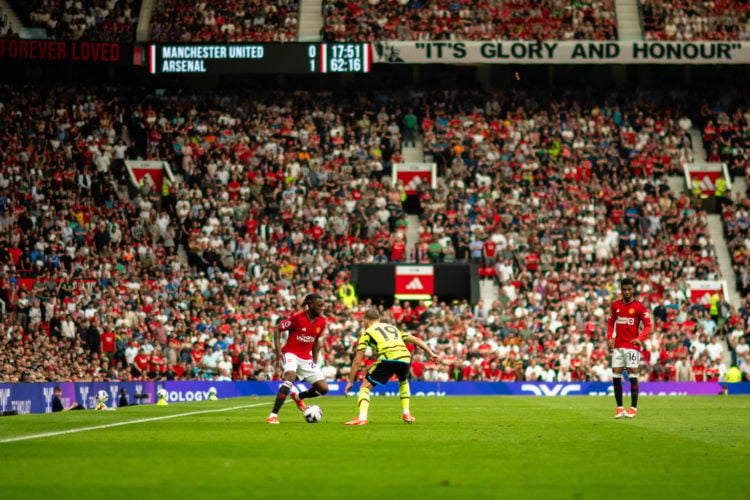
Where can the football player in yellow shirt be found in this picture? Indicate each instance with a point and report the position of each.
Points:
(393, 359)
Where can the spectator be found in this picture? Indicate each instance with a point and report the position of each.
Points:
(232, 21)
(95, 20)
(688, 20)
(57, 404)
(464, 20)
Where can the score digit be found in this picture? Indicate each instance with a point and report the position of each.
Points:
(311, 53)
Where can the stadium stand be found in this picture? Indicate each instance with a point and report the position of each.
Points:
(686, 20)
(6, 30)
(233, 21)
(374, 20)
(281, 191)
(95, 20)
(129, 239)
(725, 135)
(495, 151)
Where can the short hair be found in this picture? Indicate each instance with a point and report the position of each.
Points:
(372, 315)
(310, 297)
(627, 281)
(58, 388)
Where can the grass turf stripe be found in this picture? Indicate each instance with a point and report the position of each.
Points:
(118, 424)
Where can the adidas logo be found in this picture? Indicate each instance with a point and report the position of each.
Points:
(705, 299)
(415, 284)
(707, 184)
(414, 183)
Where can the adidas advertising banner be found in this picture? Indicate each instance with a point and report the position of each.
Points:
(415, 280)
(37, 398)
(412, 175)
(551, 52)
(384, 282)
(705, 175)
(149, 173)
(701, 291)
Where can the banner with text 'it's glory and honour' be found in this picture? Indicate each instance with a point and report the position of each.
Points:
(556, 52)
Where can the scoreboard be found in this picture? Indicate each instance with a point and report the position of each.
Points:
(250, 58)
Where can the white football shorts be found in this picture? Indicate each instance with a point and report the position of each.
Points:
(625, 358)
(306, 369)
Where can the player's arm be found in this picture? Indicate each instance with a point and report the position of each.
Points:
(282, 327)
(354, 370)
(71, 407)
(422, 345)
(316, 349)
(646, 320)
(611, 327)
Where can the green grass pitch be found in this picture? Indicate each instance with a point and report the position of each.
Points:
(460, 447)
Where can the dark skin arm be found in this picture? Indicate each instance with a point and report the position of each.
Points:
(316, 349)
(277, 349)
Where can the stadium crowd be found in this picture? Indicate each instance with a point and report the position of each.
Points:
(279, 192)
(374, 20)
(232, 21)
(599, 211)
(94, 20)
(688, 20)
(725, 136)
(381, 20)
(5, 28)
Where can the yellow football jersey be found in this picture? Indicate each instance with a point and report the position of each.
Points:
(386, 340)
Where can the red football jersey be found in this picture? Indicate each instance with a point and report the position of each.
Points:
(624, 322)
(141, 361)
(108, 342)
(246, 368)
(302, 334)
(490, 248)
(156, 364)
(397, 251)
(196, 356)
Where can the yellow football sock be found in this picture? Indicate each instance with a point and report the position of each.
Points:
(403, 392)
(363, 401)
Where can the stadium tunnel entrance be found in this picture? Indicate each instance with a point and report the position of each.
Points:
(412, 205)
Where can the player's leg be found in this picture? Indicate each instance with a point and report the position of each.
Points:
(617, 386)
(632, 362)
(281, 395)
(290, 374)
(363, 399)
(379, 374)
(313, 376)
(633, 410)
(319, 388)
(618, 365)
(404, 393)
(363, 403)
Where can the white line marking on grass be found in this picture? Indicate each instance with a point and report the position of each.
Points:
(118, 424)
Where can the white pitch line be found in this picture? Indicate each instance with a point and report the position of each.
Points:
(118, 424)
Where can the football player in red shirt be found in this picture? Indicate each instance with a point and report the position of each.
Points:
(299, 354)
(625, 339)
